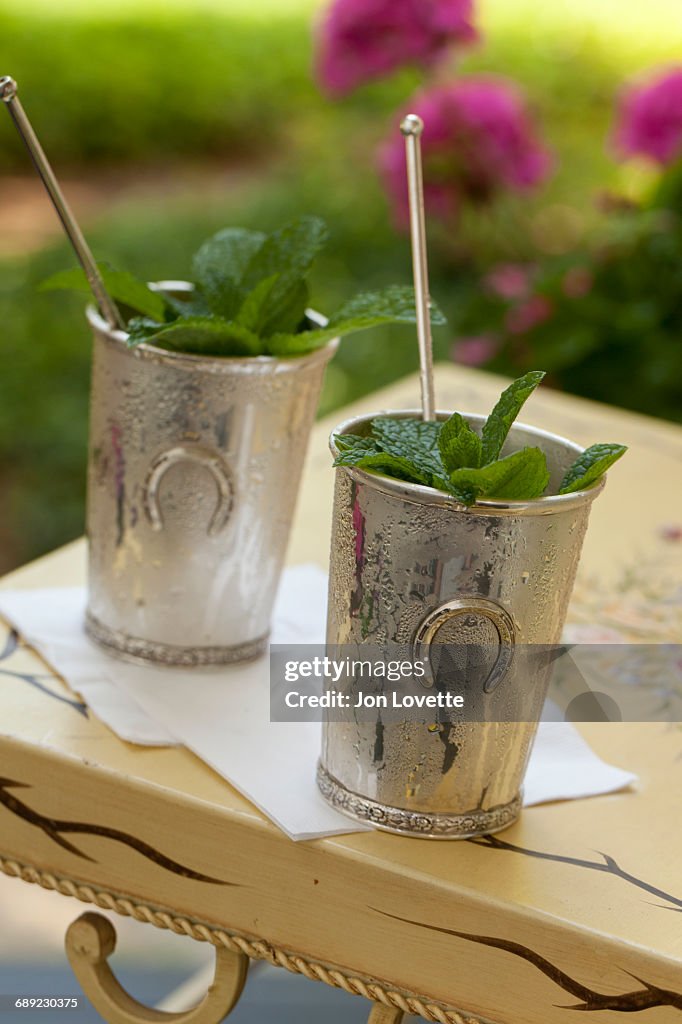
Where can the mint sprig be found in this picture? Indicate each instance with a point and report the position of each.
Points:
(590, 466)
(352, 448)
(509, 406)
(451, 456)
(459, 445)
(415, 440)
(369, 309)
(250, 298)
(289, 253)
(219, 267)
(396, 466)
(520, 476)
(193, 334)
(122, 286)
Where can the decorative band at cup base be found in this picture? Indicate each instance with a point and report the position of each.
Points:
(146, 652)
(419, 824)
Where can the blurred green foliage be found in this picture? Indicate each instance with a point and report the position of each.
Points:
(603, 322)
(144, 86)
(141, 88)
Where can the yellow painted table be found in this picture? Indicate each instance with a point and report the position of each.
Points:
(579, 905)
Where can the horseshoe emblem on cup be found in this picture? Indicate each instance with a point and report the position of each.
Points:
(497, 615)
(210, 461)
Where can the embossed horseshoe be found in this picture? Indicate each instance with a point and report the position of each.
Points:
(91, 940)
(500, 618)
(210, 461)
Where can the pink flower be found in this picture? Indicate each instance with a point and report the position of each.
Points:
(528, 314)
(478, 140)
(476, 350)
(650, 119)
(509, 280)
(359, 40)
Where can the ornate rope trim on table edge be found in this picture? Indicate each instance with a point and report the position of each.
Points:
(255, 949)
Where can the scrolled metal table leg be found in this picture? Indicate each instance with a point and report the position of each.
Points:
(91, 940)
(380, 1014)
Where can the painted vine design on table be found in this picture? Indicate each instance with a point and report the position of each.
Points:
(12, 644)
(609, 866)
(254, 948)
(54, 827)
(627, 1002)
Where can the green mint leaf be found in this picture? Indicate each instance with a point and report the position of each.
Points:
(353, 448)
(122, 286)
(188, 304)
(394, 304)
(219, 267)
(370, 309)
(521, 476)
(505, 412)
(459, 445)
(289, 253)
(141, 328)
(286, 314)
(364, 452)
(395, 466)
(206, 336)
(343, 441)
(589, 466)
(416, 440)
(253, 309)
(302, 343)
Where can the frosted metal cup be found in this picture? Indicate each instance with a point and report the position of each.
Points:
(194, 468)
(411, 566)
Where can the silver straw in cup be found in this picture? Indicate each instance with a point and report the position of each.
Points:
(412, 126)
(107, 306)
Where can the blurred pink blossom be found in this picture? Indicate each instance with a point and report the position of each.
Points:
(359, 40)
(528, 314)
(509, 280)
(650, 119)
(478, 140)
(476, 350)
(577, 282)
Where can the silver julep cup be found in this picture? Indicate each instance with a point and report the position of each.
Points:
(410, 566)
(194, 466)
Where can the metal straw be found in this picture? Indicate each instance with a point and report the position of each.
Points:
(107, 306)
(412, 127)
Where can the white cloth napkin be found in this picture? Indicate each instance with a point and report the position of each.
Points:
(223, 714)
